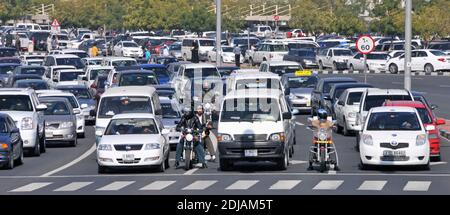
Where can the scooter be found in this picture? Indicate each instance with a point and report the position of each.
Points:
(323, 152)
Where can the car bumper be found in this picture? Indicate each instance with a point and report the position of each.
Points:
(4, 157)
(300, 104)
(141, 158)
(435, 148)
(29, 138)
(417, 155)
(60, 134)
(236, 150)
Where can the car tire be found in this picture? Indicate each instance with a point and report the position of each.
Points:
(334, 66)
(345, 130)
(351, 68)
(10, 164)
(363, 166)
(283, 163)
(37, 148)
(321, 66)
(393, 69)
(225, 165)
(74, 143)
(437, 158)
(166, 161)
(19, 160)
(162, 166)
(43, 143)
(251, 62)
(81, 135)
(428, 68)
(425, 167)
(102, 169)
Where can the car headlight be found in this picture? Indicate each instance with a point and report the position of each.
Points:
(433, 136)
(421, 139)
(367, 139)
(66, 125)
(151, 146)
(277, 137)
(351, 115)
(104, 147)
(27, 123)
(223, 137)
(99, 130)
(292, 96)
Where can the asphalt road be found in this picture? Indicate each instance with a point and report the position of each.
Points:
(68, 170)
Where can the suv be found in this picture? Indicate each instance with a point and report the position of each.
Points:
(274, 51)
(24, 107)
(323, 89)
(63, 60)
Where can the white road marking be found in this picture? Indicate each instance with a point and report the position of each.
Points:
(158, 185)
(74, 186)
(200, 185)
(372, 185)
(331, 172)
(117, 185)
(438, 163)
(328, 185)
(417, 186)
(299, 123)
(83, 156)
(31, 187)
(297, 162)
(444, 86)
(285, 184)
(190, 172)
(418, 78)
(242, 185)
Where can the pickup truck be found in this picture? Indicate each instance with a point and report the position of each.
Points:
(335, 58)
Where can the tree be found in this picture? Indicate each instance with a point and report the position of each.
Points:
(198, 19)
(433, 20)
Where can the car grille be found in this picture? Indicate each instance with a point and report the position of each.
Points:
(52, 126)
(134, 147)
(250, 137)
(299, 105)
(59, 136)
(394, 158)
(399, 146)
(136, 160)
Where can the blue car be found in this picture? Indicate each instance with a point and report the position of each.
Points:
(160, 70)
(6, 70)
(11, 145)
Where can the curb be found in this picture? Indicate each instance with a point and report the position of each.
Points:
(445, 134)
(346, 72)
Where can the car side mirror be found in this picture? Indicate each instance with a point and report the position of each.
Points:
(287, 115)
(92, 113)
(165, 131)
(440, 121)
(41, 107)
(84, 106)
(76, 111)
(430, 128)
(434, 107)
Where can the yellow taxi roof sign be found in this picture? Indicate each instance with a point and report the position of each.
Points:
(303, 73)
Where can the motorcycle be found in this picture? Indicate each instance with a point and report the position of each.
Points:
(190, 136)
(323, 152)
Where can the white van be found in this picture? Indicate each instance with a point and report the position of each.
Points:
(29, 26)
(120, 100)
(255, 125)
(204, 45)
(253, 80)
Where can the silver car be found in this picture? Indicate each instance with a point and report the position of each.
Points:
(299, 89)
(60, 121)
(171, 117)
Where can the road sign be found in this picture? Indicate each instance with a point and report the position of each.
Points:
(55, 23)
(276, 17)
(365, 44)
(56, 28)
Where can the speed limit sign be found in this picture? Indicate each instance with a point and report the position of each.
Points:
(365, 44)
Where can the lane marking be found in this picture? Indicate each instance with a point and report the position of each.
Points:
(31, 187)
(299, 123)
(114, 186)
(328, 185)
(437, 163)
(285, 184)
(200, 185)
(77, 160)
(158, 185)
(294, 162)
(444, 86)
(242, 185)
(417, 186)
(372, 185)
(191, 171)
(74, 186)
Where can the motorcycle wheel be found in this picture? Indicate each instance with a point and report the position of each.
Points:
(323, 164)
(187, 159)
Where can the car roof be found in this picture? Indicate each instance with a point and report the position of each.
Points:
(49, 98)
(15, 91)
(58, 56)
(415, 104)
(254, 93)
(136, 71)
(70, 70)
(8, 64)
(283, 63)
(392, 109)
(130, 91)
(290, 75)
(357, 84)
(357, 89)
(377, 91)
(198, 65)
(133, 115)
(254, 75)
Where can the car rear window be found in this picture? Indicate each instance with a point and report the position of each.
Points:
(378, 100)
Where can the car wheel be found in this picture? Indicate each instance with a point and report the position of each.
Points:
(351, 69)
(102, 169)
(74, 143)
(320, 65)
(283, 162)
(37, 147)
(429, 68)
(162, 167)
(166, 161)
(425, 167)
(345, 130)
(43, 144)
(225, 165)
(10, 164)
(81, 135)
(363, 166)
(334, 66)
(19, 160)
(393, 69)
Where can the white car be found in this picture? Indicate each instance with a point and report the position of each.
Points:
(67, 77)
(92, 72)
(133, 140)
(128, 49)
(227, 55)
(274, 51)
(346, 109)
(376, 61)
(427, 60)
(394, 136)
(335, 58)
(92, 61)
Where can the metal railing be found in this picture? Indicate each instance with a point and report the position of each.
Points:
(42, 9)
(262, 10)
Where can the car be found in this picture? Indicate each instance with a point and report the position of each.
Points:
(335, 58)
(428, 118)
(376, 61)
(170, 118)
(394, 136)
(119, 61)
(191, 70)
(8, 52)
(261, 31)
(32, 59)
(323, 89)
(306, 57)
(60, 121)
(62, 39)
(11, 147)
(85, 98)
(100, 43)
(29, 26)
(420, 96)
(35, 84)
(155, 44)
(128, 49)
(226, 71)
(67, 77)
(136, 78)
(50, 73)
(6, 70)
(332, 42)
(160, 71)
(244, 41)
(280, 67)
(93, 71)
(255, 130)
(299, 87)
(226, 56)
(30, 70)
(63, 60)
(253, 80)
(92, 61)
(163, 60)
(133, 140)
(165, 91)
(26, 111)
(80, 121)
(427, 60)
(345, 110)
(172, 68)
(336, 91)
(12, 80)
(268, 52)
(204, 46)
(15, 60)
(79, 53)
(440, 45)
(175, 50)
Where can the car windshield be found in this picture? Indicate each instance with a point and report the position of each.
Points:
(5, 69)
(303, 46)
(207, 42)
(281, 70)
(377, 56)
(15, 103)
(160, 72)
(393, 121)
(203, 73)
(80, 93)
(440, 46)
(137, 79)
(110, 106)
(95, 72)
(278, 48)
(328, 85)
(227, 49)
(131, 126)
(130, 45)
(438, 53)
(124, 63)
(37, 85)
(250, 110)
(256, 83)
(339, 52)
(378, 100)
(424, 115)
(69, 76)
(8, 53)
(302, 82)
(80, 54)
(56, 108)
(70, 62)
(354, 98)
(166, 93)
(63, 37)
(33, 71)
(169, 111)
(94, 62)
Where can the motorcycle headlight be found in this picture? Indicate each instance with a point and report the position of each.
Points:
(351, 115)
(151, 146)
(27, 123)
(277, 137)
(104, 147)
(224, 137)
(189, 137)
(421, 139)
(66, 125)
(367, 139)
(322, 136)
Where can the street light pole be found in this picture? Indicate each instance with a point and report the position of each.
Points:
(218, 32)
(408, 37)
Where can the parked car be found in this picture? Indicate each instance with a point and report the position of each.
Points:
(306, 57)
(268, 52)
(128, 49)
(421, 60)
(299, 87)
(226, 56)
(335, 58)
(336, 91)
(376, 61)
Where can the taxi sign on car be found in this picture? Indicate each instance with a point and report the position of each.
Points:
(303, 73)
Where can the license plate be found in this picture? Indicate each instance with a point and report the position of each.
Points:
(48, 134)
(251, 153)
(128, 157)
(394, 153)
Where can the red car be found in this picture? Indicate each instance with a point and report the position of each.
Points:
(427, 118)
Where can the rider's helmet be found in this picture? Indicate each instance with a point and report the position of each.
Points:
(322, 114)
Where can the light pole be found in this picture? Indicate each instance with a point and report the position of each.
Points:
(218, 32)
(408, 36)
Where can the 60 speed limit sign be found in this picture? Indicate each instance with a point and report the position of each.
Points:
(365, 44)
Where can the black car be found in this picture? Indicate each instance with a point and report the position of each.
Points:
(12, 80)
(8, 52)
(39, 39)
(11, 148)
(29, 70)
(306, 57)
(323, 89)
(137, 78)
(336, 91)
(35, 84)
(15, 60)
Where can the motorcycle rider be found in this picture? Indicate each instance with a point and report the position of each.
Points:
(322, 120)
(190, 120)
(207, 126)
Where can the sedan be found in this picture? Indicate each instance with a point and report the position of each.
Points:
(376, 61)
(11, 145)
(427, 60)
(128, 49)
(227, 55)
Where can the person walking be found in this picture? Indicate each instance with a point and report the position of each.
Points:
(148, 55)
(194, 53)
(17, 38)
(237, 55)
(94, 50)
